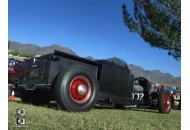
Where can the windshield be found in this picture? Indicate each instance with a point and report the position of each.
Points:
(118, 61)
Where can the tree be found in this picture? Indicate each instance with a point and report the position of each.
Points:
(14, 53)
(27, 55)
(158, 22)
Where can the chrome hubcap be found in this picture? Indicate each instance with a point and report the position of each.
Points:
(82, 89)
(168, 103)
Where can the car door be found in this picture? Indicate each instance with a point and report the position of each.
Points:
(120, 81)
(105, 77)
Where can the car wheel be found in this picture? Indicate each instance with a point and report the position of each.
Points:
(164, 102)
(77, 89)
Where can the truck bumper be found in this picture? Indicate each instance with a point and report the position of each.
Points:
(37, 86)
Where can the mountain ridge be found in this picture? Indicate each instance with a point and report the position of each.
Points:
(155, 76)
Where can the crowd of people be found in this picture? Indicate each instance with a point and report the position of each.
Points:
(157, 87)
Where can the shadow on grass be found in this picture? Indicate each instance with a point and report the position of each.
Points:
(144, 110)
(55, 106)
(149, 110)
(51, 105)
(102, 107)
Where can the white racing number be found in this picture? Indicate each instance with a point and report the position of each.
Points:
(137, 96)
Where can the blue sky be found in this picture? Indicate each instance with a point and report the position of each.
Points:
(90, 28)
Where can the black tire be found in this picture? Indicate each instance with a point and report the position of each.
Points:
(66, 94)
(24, 95)
(164, 102)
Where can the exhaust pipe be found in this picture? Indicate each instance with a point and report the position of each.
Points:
(108, 100)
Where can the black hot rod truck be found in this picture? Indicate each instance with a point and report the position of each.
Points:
(77, 84)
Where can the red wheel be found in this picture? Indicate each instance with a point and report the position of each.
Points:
(76, 89)
(80, 89)
(167, 104)
(164, 102)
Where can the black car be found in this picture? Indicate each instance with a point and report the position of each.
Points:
(77, 84)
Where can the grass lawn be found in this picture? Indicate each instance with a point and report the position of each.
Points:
(52, 118)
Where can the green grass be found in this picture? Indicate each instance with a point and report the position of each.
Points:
(52, 118)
